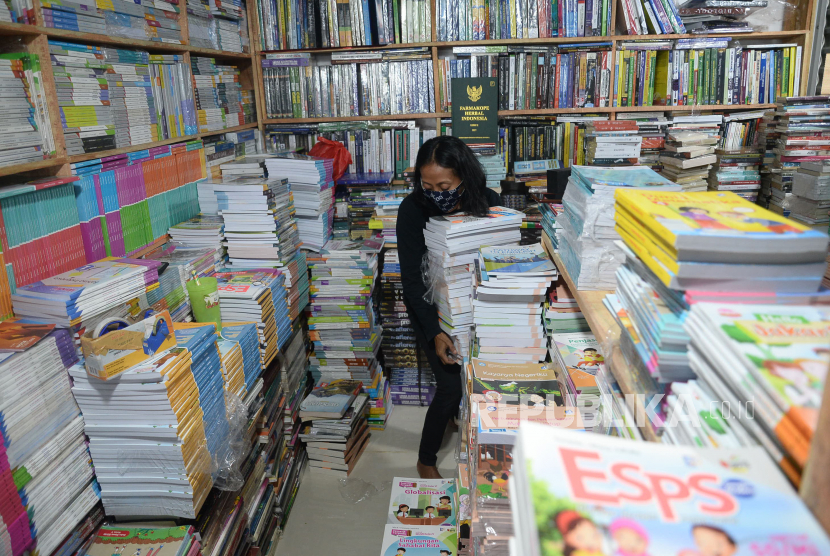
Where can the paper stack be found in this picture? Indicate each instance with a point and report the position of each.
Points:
(312, 184)
(507, 308)
(256, 296)
(44, 462)
(203, 231)
(614, 143)
(341, 319)
(587, 237)
(335, 445)
(453, 242)
(241, 364)
(401, 355)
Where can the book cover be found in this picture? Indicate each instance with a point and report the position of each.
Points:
(669, 500)
(515, 383)
(332, 398)
(527, 259)
(422, 502)
(424, 540)
(167, 541)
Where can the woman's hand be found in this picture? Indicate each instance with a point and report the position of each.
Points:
(444, 347)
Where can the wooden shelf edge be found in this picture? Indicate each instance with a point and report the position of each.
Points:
(392, 117)
(606, 330)
(19, 29)
(243, 127)
(131, 148)
(29, 166)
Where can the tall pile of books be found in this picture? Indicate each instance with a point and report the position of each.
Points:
(385, 216)
(738, 171)
(44, 460)
(410, 375)
(336, 433)
(241, 361)
(364, 192)
(341, 318)
(453, 242)
(218, 95)
(651, 126)
(586, 242)
(811, 194)
(26, 131)
(507, 309)
(312, 184)
(562, 314)
(688, 157)
(615, 143)
(201, 232)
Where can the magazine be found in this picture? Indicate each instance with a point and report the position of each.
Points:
(424, 540)
(422, 502)
(598, 495)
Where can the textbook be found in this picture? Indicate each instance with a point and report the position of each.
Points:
(516, 383)
(594, 494)
(419, 502)
(330, 399)
(528, 260)
(419, 540)
(161, 541)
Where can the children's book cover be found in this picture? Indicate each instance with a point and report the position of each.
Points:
(167, 541)
(495, 462)
(331, 398)
(424, 540)
(516, 383)
(522, 260)
(422, 502)
(595, 495)
(580, 354)
(630, 177)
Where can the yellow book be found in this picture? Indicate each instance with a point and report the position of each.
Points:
(619, 58)
(715, 226)
(791, 87)
(566, 146)
(580, 145)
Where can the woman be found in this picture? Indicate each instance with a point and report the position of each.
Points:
(448, 178)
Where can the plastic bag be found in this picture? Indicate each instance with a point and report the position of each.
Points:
(325, 148)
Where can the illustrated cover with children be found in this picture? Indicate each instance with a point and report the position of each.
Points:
(422, 502)
(516, 383)
(424, 540)
(594, 495)
(161, 541)
(579, 353)
(523, 260)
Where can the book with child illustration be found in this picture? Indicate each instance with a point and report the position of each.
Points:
(423, 540)
(422, 502)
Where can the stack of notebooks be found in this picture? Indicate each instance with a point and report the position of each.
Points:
(811, 194)
(25, 132)
(581, 364)
(507, 308)
(341, 319)
(335, 444)
(257, 296)
(688, 157)
(44, 461)
(739, 171)
(312, 184)
(241, 364)
(586, 239)
(453, 242)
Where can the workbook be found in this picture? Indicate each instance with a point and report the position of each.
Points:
(416, 502)
(424, 540)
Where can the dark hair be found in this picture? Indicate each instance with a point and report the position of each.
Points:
(428, 507)
(400, 506)
(447, 497)
(589, 349)
(452, 153)
(715, 530)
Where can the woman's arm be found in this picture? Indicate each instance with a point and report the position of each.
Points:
(411, 245)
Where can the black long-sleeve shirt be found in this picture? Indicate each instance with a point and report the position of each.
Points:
(412, 218)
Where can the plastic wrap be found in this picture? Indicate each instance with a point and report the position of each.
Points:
(227, 474)
(356, 491)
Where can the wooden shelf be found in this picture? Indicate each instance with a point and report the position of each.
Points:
(210, 53)
(391, 117)
(130, 149)
(607, 332)
(29, 166)
(243, 127)
(19, 29)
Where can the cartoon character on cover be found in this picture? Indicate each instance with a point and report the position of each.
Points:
(803, 388)
(581, 535)
(630, 536)
(713, 541)
(446, 553)
(400, 552)
(771, 225)
(429, 512)
(444, 503)
(403, 511)
(499, 481)
(702, 218)
(590, 358)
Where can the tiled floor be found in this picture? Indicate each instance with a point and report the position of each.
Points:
(324, 522)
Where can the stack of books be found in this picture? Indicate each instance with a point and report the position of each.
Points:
(811, 194)
(453, 242)
(312, 184)
(410, 375)
(688, 157)
(507, 309)
(586, 241)
(217, 94)
(380, 402)
(258, 296)
(241, 363)
(188, 261)
(652, 128)
(385, 216)
(200, 232)
(335, 444)
(43, 442)
(341, 318)
(544, 472)
(26, 129)
(562, 313)
(365, 191)
(738, 171)
(582, 365)
(293, 367)
(550, 212)
(199, 24)
(614, 143)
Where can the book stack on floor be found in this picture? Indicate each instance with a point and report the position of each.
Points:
(422, 514)
(614, 143)
(453, 242)
(811, 194)
(44, 461)
(241, 363)
(337, 432)
(257, 296)
(293, 368)
(363, 191)
(380, 402)
(738, 171)
(507, 309)
(341, 318)
(312, 183)
(26, 129)
(586, 243)
(688, 157)
(548, 510)
(410, 376)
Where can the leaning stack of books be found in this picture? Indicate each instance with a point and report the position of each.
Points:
(453, 242)
(336, 432)
(739, 171)
(507, 309)
(688, 157)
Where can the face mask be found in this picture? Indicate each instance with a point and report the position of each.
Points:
(444, 200)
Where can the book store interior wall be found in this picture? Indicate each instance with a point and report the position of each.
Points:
(210, 344)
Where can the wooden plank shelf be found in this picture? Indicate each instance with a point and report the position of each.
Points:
(390, 117)
(53, 162)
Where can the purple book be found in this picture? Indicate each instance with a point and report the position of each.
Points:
(93, 238)
(66, 346)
